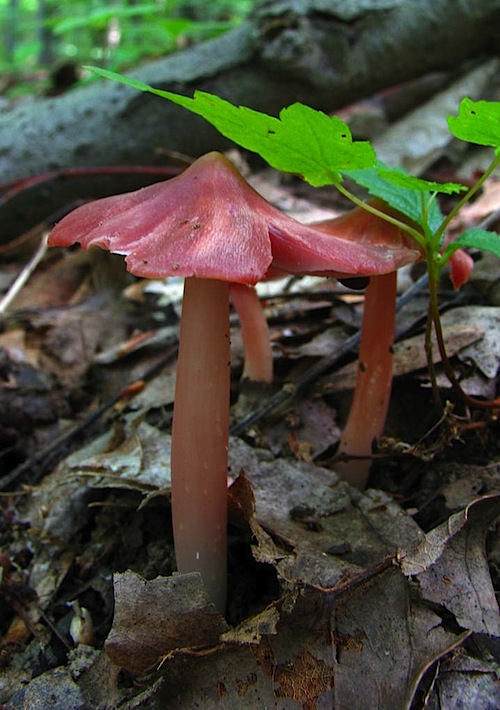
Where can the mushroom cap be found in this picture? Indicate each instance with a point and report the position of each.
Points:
(208, 222)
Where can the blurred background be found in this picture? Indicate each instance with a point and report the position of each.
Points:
(44, 42)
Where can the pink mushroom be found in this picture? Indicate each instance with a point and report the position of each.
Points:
(209, 226)
(258, 365)
(372, 392)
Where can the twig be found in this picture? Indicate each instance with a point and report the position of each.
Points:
(25, 274)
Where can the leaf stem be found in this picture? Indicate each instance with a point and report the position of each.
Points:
(468, 196)
(419, 238)
(435, 319)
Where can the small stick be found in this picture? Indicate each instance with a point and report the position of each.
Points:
(25, 274)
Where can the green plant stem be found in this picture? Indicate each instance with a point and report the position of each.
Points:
(430, 243)
(383, 215)
(435, 266)
(431, 315)
(463, 201)
(435, 318)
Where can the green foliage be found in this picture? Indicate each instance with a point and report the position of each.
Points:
(400, 178)
(117, 33)
(474, 238)
(411, 198)
(477, 122)
(302, 140)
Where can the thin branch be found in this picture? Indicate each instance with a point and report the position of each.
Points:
(25, 274)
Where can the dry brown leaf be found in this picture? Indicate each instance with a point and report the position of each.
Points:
(451, 570)
(161, 617)
(485, 204)
(459, 332)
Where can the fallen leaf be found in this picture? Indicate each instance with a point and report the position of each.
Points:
(450, 567)
(463, 678)
(161, 617)
(485, 204)
(459, 331)
(315, 512)
(485, 352)
(140, 460)
(383, 639)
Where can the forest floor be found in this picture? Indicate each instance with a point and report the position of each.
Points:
(384, 598)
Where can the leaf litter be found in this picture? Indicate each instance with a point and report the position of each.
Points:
(338, 598)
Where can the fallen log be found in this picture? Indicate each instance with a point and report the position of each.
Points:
(326, 53)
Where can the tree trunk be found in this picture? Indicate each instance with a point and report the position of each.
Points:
(326, 53)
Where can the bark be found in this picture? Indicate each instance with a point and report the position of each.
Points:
(327, 53)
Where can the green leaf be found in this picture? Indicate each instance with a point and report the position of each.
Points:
(475, 238)
(401, 191)
(410, 182)
(302, 140)
(477, 122)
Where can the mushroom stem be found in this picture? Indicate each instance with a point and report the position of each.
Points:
(255, 333)
(373, 380)
(200, 431)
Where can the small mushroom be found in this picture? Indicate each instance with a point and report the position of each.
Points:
(372, 391)
(209, 226)
(258, 365)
